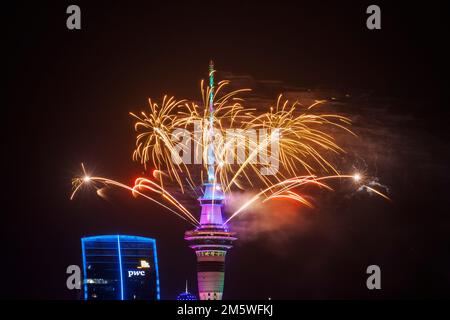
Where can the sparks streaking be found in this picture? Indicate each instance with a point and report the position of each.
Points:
(140, 184)
(303, 136)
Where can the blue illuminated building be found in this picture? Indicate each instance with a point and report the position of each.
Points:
(120, 267)
(186, 295)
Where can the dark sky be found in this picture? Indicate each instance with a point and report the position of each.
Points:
(68, 98)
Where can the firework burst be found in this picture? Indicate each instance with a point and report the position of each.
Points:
(298, 137)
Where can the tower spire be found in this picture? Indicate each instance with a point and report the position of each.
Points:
(211, 156)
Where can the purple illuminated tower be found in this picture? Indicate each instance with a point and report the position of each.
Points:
(211, 239)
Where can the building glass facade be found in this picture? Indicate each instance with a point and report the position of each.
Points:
(120, 267)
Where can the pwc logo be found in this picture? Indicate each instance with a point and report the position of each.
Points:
(136, 273)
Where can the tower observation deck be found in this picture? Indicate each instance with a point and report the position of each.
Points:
(211, 241)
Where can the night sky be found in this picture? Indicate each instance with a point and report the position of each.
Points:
(68, 98)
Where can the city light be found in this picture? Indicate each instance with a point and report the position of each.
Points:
(300, 136)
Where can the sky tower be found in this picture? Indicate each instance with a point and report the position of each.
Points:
(211, 239)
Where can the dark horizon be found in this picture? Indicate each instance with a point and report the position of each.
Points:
(68, 98)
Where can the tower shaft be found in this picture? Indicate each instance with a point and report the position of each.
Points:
(211, 241)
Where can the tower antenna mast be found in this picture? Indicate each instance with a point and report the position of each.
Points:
(211, 156)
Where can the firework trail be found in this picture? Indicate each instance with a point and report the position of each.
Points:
(304, 146)
(140, 183)
(283, 190)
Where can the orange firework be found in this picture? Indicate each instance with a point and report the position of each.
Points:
(294, 145)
